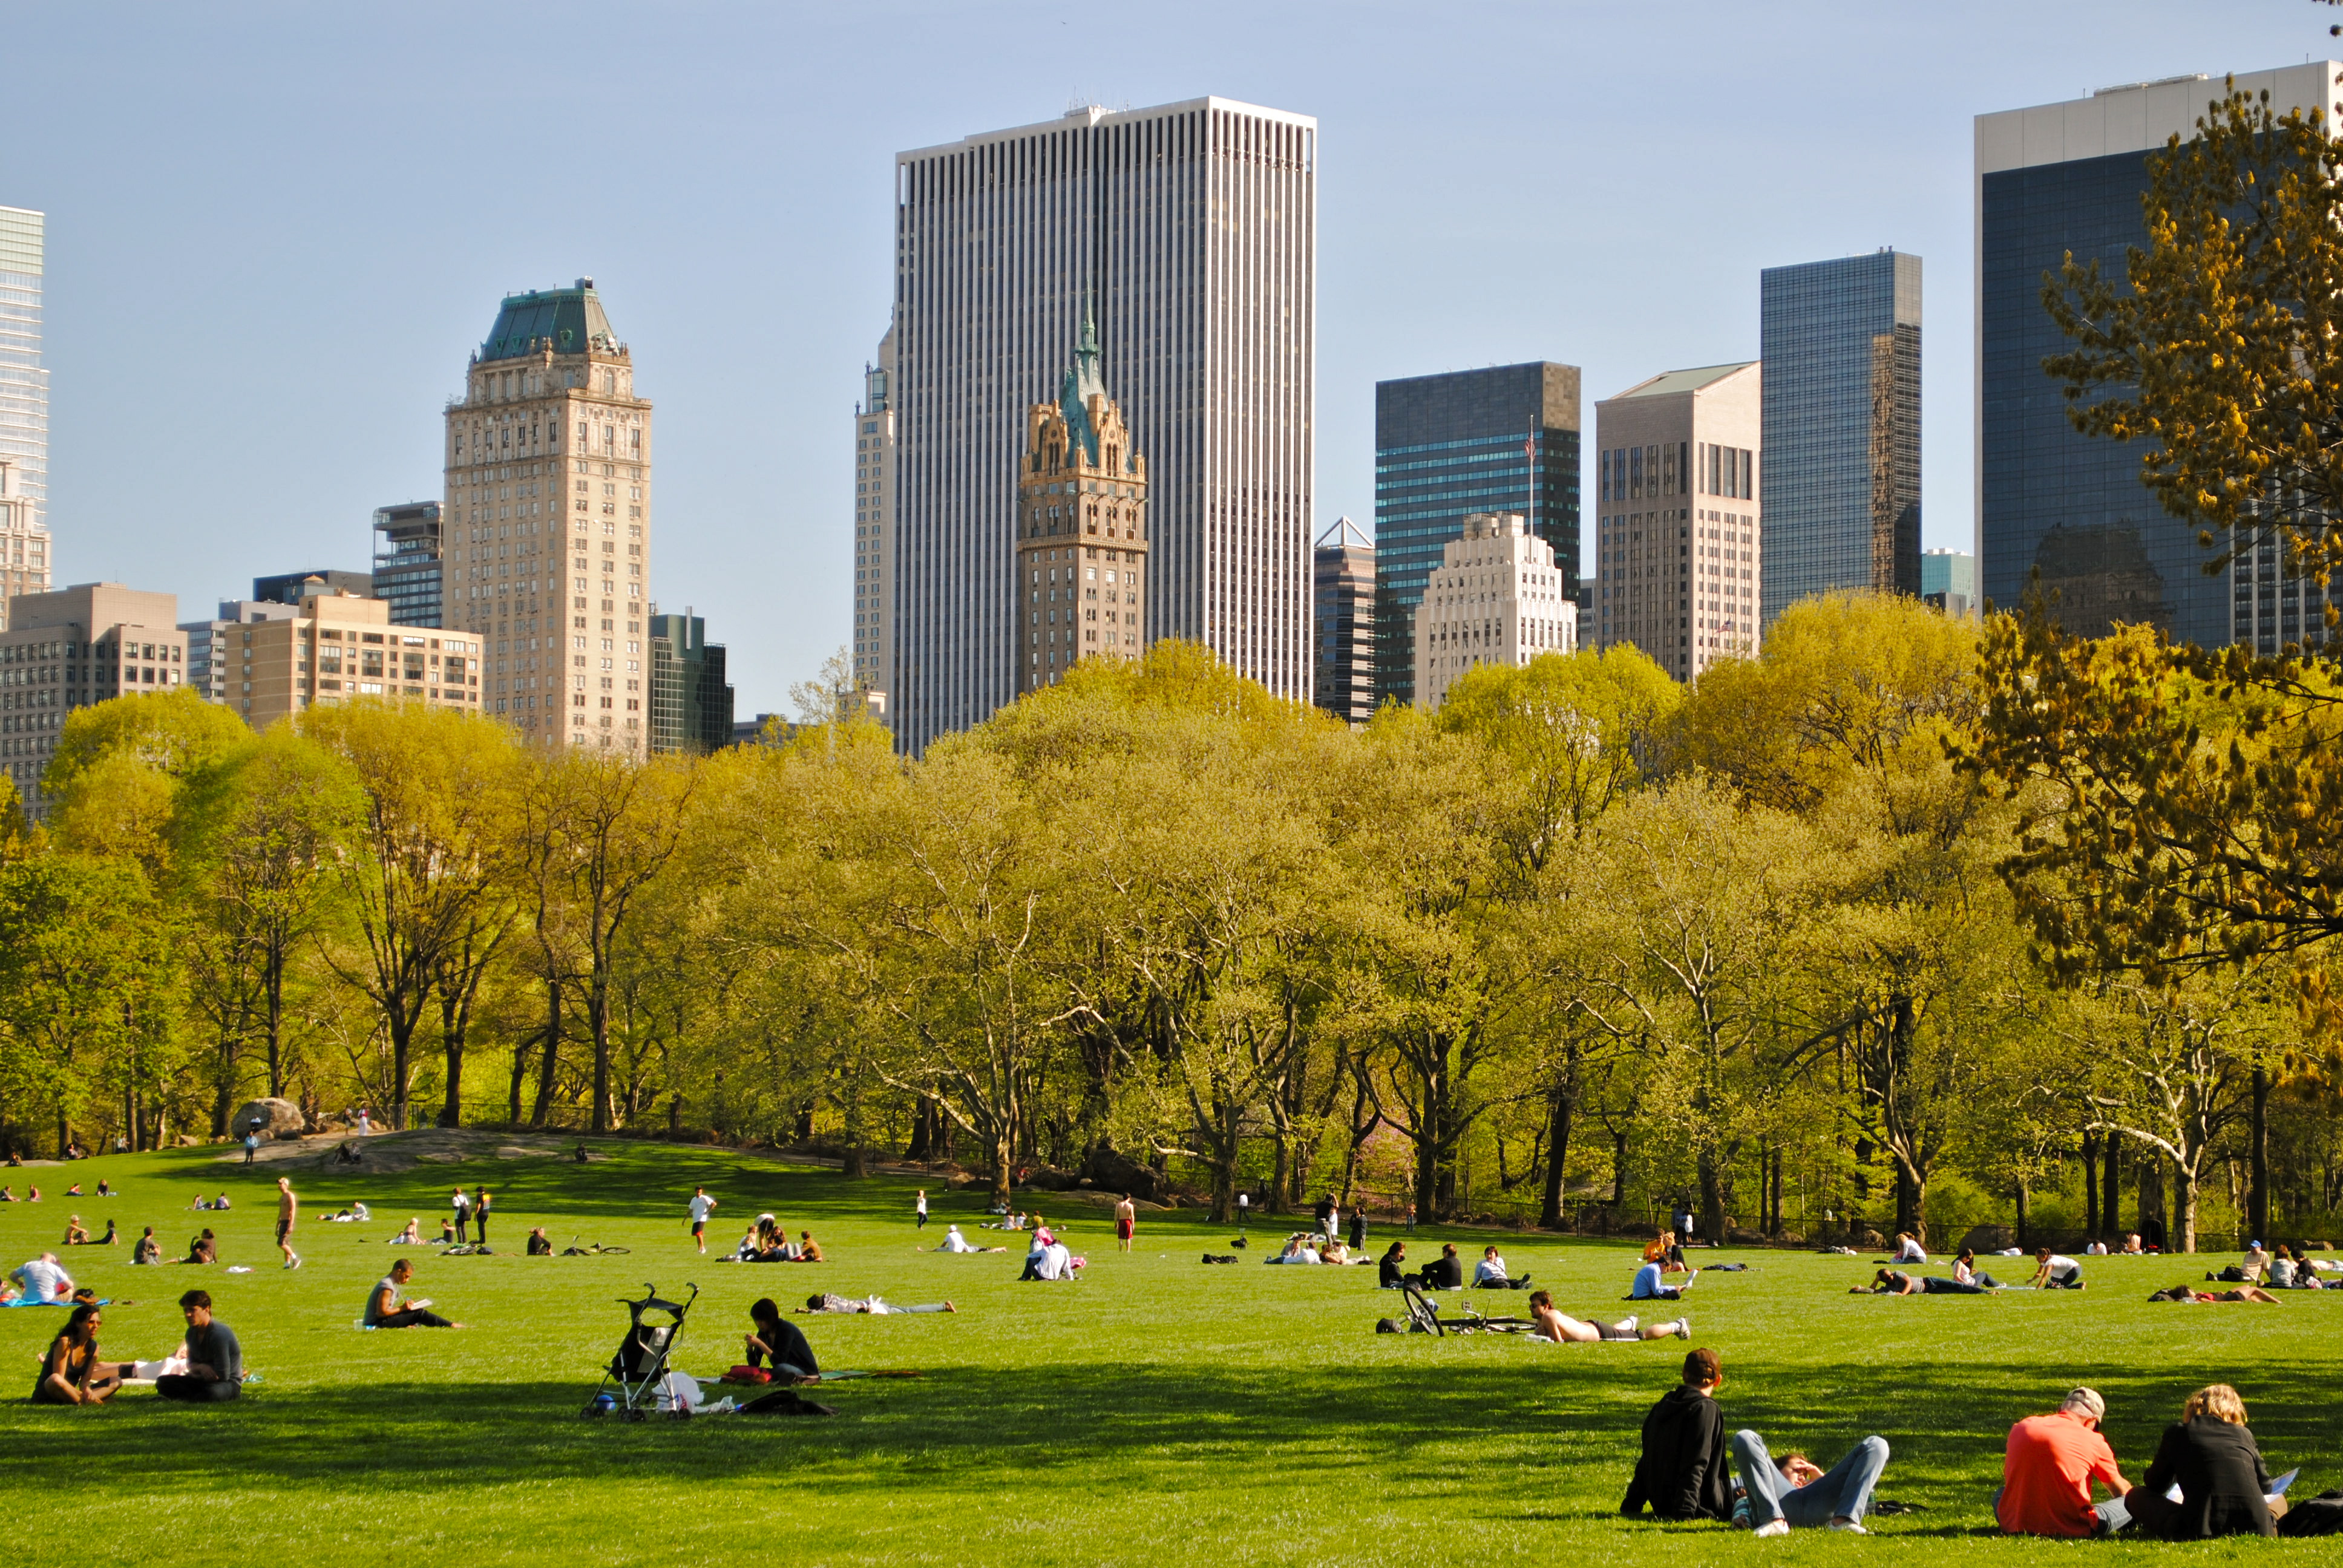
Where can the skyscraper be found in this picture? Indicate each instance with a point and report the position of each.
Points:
(691, 705)
(1840, 343)
(1948, 581)
(2068, 177)
(408, 570)
(1495, 598)
(1082, 529)
(1678, 529)
(23, 409)
(72, 647)
(874, 525)
(1343, 576)
(547, 521)
(1192, 227)
(1502, 439)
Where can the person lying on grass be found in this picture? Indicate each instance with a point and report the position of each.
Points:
(2053, 1272)
(827, 1303)
(1794, 1491)
(2240, 1294)
(1297, 1250)
(1491, 1273)
(772, 1338)
(1680, 1473)
(954, 1242)
(386, 1309)
(1897, 1282)
(72, 1374)
(214, 1361)
(2048, 1468)
(1561, 1328)
(2211, 1456)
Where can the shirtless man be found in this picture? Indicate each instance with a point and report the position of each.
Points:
(1547, 1323)
(288, 1211)
(1126, 1215)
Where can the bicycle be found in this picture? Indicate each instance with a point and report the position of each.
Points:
(593, 1249)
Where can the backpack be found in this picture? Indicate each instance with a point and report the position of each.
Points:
(2321, 1515)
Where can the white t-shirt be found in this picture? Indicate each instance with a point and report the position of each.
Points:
(956, 1242)
(460, 1202)
(44, 1281)
(700, 1204)
(923, 1203)
(2063, 1269)
(1911, 1252)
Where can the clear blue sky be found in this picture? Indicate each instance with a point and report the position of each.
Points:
(277, 231)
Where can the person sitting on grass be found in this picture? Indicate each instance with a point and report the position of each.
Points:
(773, 1338)
(204, 1250)
(954, 1242)
(1297, 1250)
(1794, 1491)
(447, 1232)
(1490, 1273)
(32, 1194)
(44, 1279)
(808, 1249)
(147, 1249)
(1560, 1328)
(386, 1309)
(221, 1201)
(2211, 1456)
(1909, 1248)
(1390, 1269)
(1966, 1271)
(1680, 1473)
(410, 1236)
(1053, 1261)
(71, 1373)
(540, 1245)
(2054, 1273)
(2098, 1249)
(2046, 1471)
(1897, 1282)
(76, 1233)
(2131, 1246)
(1334, 1251)
(1649, 1288)
(1444, 1272)
(827, 1303)
(214, 1361)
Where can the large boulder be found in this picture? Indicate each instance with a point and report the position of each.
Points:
(1988, 1239)
(1110, 1170)
(275, 1119)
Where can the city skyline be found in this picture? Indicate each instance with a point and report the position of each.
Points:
(231, 210)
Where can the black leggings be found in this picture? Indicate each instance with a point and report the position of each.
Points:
(195, 1389)
(413, 1318)
(480, 1227)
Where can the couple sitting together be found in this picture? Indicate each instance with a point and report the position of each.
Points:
(2207, 1480)
(207, 1367)
(768, 1242)
(1049, 1257)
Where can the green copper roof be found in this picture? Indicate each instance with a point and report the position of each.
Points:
(570, 320)
(1082, 379)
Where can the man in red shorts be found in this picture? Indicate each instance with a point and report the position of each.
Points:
(1126, 1215)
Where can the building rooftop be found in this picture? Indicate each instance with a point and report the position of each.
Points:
(1345, 536)
(569, 320)
(1669, 381)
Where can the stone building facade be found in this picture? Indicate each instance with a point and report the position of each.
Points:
(1497, 596)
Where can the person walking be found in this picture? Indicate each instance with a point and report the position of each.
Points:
(463, 1206)
(702, 1206)
(1359, 1230)
(251, 1143)
(480, 1200)
(366, 1127)
(921, 1207)
(1126, 1217)
(289, 1213)
(1244, 1208)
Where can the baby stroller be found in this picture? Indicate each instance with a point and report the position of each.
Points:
(639, 1367)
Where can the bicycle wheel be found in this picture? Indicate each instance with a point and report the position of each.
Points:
(1421, 1313)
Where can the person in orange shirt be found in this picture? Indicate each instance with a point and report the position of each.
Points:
(2048, 1470)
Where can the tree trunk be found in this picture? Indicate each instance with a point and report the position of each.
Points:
(1618, 1171)
(598, 1012)
(1711, 1197)
(273, 986)
(223, 1087)
(2184, 1208)
(452, 1021)
(2111, 1186)
(519, 1077)
(2258, 1195)
(1557, 1139)
(2152, 1220)
(2022, 1241)
(2091, 1189)
(1773, 1223)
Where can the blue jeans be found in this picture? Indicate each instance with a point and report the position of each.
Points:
(1843, 1491)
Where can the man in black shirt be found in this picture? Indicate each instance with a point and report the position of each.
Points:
(1444, 1272)
(1683, 1473)
(214, 1361)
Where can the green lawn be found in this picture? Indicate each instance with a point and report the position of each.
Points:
(1157, 1411)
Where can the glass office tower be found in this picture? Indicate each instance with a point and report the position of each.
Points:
(25, 560)
(1841, 417)
(1503, 440)
(2066, 179)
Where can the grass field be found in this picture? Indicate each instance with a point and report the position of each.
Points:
(1157, 1411)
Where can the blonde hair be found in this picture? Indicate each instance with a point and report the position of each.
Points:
(2220, 1401)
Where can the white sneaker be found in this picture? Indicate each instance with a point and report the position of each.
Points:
(1772, 1527)
(1683, 1328)
(1846, 1527)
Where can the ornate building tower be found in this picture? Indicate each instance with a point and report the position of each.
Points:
(1082, 528)
(547, 530)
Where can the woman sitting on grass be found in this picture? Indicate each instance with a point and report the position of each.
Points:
(539, 1244)
(1966, 1271)
(773, 1338)
(71, 1373)
(410, 1236)
(1297, 1250)
(2211, 1456)
(203, 1248)
(1391, 1269)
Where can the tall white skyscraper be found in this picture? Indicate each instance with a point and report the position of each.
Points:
(23, 411)
(874, 527)
(1193, 229)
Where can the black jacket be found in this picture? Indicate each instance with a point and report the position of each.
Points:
(1443, 1273)
(1683, 1473)
(1388, 1274)
(2222, 1483)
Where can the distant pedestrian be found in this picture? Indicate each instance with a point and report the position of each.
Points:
(251, 1143)
(1126, 1218)
(288, 1211)
(1358, 1229)
(1322, 1216)
(702, 1206)
(1244, 1207)
(922, 1207)
(1411, 1218)
(366, 1127)
(481, 1198)
(462, 1204)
